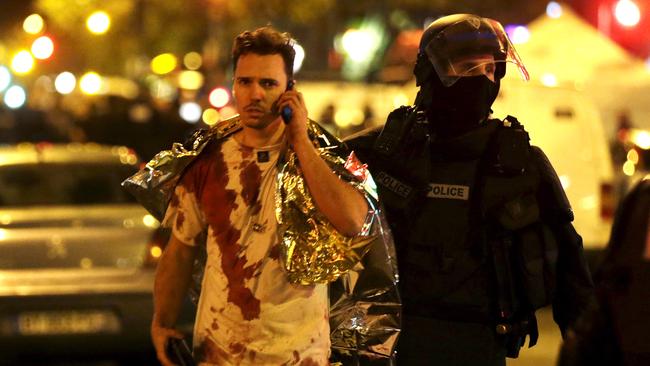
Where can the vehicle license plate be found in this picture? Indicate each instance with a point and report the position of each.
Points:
(68, 322)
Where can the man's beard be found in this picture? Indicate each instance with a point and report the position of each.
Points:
(259, 123)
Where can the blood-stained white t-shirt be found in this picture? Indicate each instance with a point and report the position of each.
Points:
(248, 314)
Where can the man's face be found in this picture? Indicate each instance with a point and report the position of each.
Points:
(259, 80)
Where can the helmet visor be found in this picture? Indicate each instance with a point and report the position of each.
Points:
(471, 47)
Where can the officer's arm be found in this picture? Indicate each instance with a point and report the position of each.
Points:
(574, 286)
(362, 142)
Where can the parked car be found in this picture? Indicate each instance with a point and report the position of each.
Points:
(77, 253)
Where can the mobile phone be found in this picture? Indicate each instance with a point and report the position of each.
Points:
(179, 352)
(286, 112)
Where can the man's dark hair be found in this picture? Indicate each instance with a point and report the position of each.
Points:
(265, 41)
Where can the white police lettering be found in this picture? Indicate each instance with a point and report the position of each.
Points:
(393, 184)
(448, 191)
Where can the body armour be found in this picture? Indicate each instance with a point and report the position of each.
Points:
(476, 214)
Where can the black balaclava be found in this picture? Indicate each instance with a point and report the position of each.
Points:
(461, 107)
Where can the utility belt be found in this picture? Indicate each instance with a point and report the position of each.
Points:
(511, 332)
(448, 313)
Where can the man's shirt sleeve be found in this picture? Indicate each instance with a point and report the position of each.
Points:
(184, 215)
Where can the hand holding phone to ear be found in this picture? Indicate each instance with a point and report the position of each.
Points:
(293, 111)
(286, 111)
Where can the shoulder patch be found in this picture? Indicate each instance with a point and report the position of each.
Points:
(393, 184)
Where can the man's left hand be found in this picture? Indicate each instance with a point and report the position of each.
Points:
(296, 129)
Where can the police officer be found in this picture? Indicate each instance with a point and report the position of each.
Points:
(482, 225)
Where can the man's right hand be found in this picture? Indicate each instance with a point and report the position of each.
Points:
(159, 336)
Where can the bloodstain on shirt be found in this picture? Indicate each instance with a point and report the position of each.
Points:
(174, 201)
(218, 202)
(275, 252)
(237, 348)
(210, 352)
(180, 219)
(250, 315)
(296, 356)
(250, 177)
(309, 362)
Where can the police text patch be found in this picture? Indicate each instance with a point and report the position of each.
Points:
(448, 191)
(393, 184)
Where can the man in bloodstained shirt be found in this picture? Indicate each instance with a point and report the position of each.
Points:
(248, 313)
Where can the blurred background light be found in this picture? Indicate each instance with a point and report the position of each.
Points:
(155, 251)
(518, 33)
(362, 45)
(192, 60)
(119, 86)
(42, 47)
(190, 112)
(400, 100)
(554, 9)
(33, 24)
(163, 63)
(98, 22)
(565, 181)
(300, 56)
(627, 13)
(219, 97)
(629, 168)
(358, 44)
(345, 117)
(90, 83)
(15, 97)
(161, 89)
(211, 116)
(44, 82)
(549, 79)
(190, 80)
(641, 138)
(150, 221)
(22, 62)
(633, 156)
(65, 82)
(5, 78)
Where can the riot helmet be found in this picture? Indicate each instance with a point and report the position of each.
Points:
(460, 63)
(465, 45)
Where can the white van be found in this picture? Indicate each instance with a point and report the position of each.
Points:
(568, 127)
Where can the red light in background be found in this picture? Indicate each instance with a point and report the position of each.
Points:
(219, 97)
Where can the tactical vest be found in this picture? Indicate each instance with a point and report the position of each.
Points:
(468, 230)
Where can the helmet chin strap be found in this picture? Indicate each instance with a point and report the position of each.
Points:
(423, 74)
